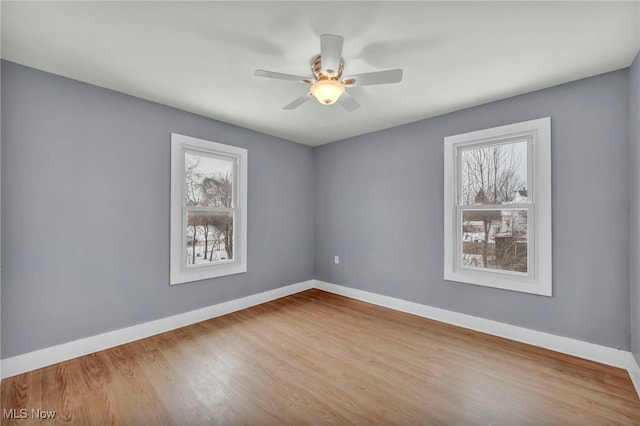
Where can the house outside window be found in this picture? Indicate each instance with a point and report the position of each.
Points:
(208, 209)
(498, 207)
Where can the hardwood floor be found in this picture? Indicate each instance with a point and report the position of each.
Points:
(316, 358)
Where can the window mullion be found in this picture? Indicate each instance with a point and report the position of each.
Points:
(210, 209)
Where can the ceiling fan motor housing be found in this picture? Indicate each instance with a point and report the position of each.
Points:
(316, 69)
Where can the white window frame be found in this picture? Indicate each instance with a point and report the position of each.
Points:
(179, 272)
(538, 279)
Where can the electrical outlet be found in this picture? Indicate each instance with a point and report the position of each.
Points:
(336, 260)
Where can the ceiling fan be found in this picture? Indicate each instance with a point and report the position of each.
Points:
(327, 84)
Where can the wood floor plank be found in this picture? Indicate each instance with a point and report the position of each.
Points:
(318, 358)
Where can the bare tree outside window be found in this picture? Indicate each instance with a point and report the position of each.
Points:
(494, 176)
(208, 193)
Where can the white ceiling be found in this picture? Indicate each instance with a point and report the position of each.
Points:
(201, 56)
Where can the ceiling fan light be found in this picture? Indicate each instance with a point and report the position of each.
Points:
(327, 92)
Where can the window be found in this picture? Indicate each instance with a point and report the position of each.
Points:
(208, 209)
(497, 202)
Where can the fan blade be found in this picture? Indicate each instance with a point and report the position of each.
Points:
(371, 78)
(299, 101)
(348, 102)
(331, 53)
(281, 76)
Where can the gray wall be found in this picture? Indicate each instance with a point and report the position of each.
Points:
(634, 254)
(379, 206)
(85, 211)
(0, 200)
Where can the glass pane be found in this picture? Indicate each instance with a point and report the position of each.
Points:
(494, 174)
(495, 239)
(209, 237)
(208, 181)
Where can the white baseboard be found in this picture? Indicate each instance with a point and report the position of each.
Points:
(634, 373)
(602, 354)
(52, 355)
